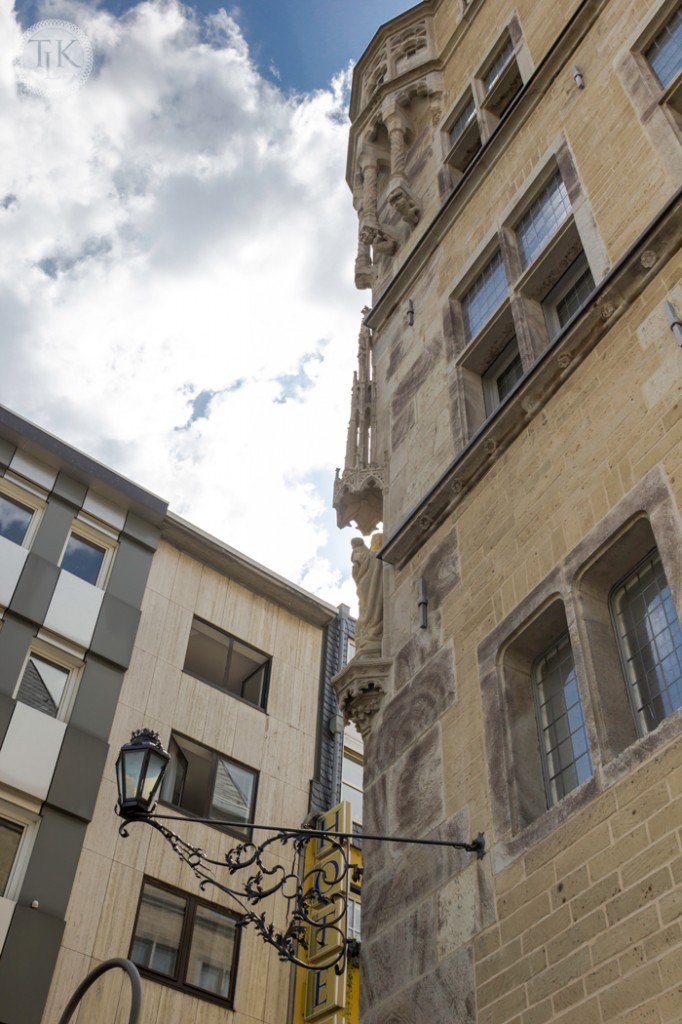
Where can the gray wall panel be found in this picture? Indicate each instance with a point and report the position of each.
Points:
(35, 588)
(78, 773)
(115, 631)
(71, 490)
(15, 639)
(141, 530)
(130, 571)
(53, 863)
(53, 530)
(95, 703)
(7, 451)
(6, 709)
(26, 965)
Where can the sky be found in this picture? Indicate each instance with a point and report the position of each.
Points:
(176, 260)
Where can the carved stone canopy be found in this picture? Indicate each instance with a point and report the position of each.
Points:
(360, 688)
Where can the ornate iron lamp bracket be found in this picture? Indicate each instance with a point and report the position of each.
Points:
(325, 885)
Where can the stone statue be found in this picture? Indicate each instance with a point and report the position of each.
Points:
(368, 576)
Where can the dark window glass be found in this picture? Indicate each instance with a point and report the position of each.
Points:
(15, 519)
(221, 659)
(185, 942)
(83, 558)
(484, 296)
(205, 783)
(561, 723)
(650, 642)
(665, 53)
(42, 685)
(10, 836)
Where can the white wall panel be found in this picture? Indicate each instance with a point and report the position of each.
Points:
(74, 608)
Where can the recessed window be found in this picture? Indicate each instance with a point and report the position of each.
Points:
(650, 642)
(185, 942)
(17, 831)
(498, 65)
(351, 786)
(15, 519)
(561, 724)
(226, 662)
(43, 685)
(464, 134)
(209, 785)
(665, 53)
(354, 918)
(484, 296)
(83, 558)
(10, 838)
(568, 295)
(542, 219)
(502, 376)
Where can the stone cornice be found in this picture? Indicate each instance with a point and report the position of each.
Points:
(613, 297)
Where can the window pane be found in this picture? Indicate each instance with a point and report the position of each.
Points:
(15, 519)
(210, 957)
(159, 927)
(218, 658)
(549, 210)
(560, 721)
(354, 918)
(484, 296)
(650, 641)
(233, 792)
(498, 65)
(351, 786)
(462, 121)
(10, 836)
(83, 558)
(665, 53)
(576, 297)
(509, 377)
(42, 685)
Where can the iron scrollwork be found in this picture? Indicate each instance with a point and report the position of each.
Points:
(324, 885)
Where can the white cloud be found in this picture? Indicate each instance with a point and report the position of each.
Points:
(176, 278)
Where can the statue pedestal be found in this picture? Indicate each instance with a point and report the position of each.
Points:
(360, 688)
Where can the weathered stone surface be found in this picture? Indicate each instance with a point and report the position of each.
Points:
(405, 950)
(406, 875)
(446, 995)
(416, 707)
(415, 787)
(441, 570)
(421, 646)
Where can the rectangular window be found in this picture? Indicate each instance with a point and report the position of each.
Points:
(498, 65)
(223, 661)
(568, 295)
(83, 558)
(665, 53)
(464, 134)
(561, 724)
(502, 376)
(43, 685)
(185, 942)
(484, 296)
(650, 642)
(203, 782)
(17, 832)
(354, 919)
(15, 519)
(544, 216)
(351, 786)
(10, 838)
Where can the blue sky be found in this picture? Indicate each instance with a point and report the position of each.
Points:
(176, 274)
(304, 42)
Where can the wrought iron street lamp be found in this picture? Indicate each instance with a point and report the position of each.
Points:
(140, 769)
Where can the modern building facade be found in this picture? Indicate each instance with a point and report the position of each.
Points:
(515, 429)
(118, 615)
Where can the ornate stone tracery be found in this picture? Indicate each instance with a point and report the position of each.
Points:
(358, 491)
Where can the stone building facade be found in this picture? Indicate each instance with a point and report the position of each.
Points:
(516, 430)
